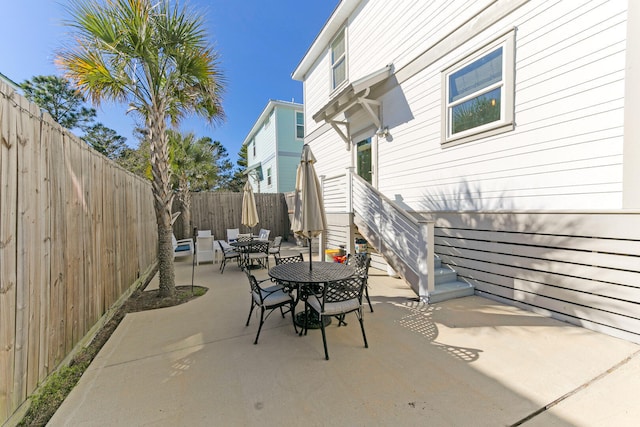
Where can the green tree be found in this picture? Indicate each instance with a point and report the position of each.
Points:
(154, 55)
(66, 106)
(237, 180)
(57, 97)
(105, 140)
(137, 160)
(225, 168)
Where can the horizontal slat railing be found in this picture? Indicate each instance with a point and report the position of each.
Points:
(334, 193)
(581, 267)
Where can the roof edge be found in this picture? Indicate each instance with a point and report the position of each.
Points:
(340, 14)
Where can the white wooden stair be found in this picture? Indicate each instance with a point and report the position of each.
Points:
(401, 240)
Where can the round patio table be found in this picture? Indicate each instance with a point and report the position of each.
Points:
(306, 278)
(321, 272)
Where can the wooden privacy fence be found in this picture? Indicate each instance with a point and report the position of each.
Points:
(217, 211)
(76, 231)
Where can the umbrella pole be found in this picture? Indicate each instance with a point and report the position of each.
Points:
(195, 253)
(310, 256)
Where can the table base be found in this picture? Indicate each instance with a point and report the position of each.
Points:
(313, 322)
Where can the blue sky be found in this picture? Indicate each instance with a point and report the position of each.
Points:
(260, 43)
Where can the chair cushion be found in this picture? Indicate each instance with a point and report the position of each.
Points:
(273, 298)
(183, 248)
(333, 308)
(273, 288)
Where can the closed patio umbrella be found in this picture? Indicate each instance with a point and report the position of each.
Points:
(249, 210)
(308, 219)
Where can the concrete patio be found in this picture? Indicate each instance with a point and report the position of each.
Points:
(464, 362)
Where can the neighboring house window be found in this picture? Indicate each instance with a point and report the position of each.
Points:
(338, 60)
(299, 125)
(479, 93)
(254, 148)
(269, 176)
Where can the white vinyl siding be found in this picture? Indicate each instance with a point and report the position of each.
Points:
(316, 93)
(397, 32)
(565, 151)
(335, 159)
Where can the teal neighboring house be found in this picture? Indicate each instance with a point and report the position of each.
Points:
(10, 82)
(274, 145)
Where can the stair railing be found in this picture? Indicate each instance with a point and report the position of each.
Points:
(407, 244)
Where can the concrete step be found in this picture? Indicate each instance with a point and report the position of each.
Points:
(450, 290)
(437, 261)
(444, 275)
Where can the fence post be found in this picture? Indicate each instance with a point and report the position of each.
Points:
(322, 239)
(349, 192)
(350, 244)
(426, 260)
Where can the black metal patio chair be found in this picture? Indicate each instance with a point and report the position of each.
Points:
(338, 298)
(361, 262)
(287, 260)
(268, 298)
(228, 253)
(259, 251)
(274, 248)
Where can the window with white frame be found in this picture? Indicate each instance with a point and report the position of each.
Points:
(253, 145)
(338, 60)
(479, 93)
(269, 176)
(299, 125)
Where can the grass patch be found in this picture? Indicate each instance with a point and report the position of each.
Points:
(45, 403)
(58, 385)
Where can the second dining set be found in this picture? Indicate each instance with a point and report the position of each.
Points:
(248, 250)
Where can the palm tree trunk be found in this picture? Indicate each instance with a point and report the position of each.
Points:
(185, 207)
(163, 198)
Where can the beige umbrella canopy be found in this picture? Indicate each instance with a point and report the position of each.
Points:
(249, 210)
(308, 219)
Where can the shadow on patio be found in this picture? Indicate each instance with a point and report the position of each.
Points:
(469, 361)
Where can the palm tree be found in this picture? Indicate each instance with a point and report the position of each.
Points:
(154, 55)
(193, 162)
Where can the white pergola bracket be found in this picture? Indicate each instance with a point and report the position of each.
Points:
(375, 117)
(334, 124)
(352, 95)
